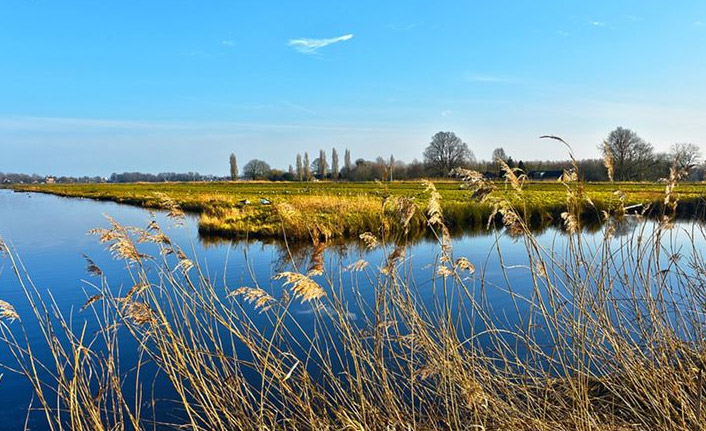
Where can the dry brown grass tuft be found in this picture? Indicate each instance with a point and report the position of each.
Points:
(95, 298)
(260, 299)
(7, 311)
(135, 290)
(120, 244)
(175, 211)
(435, 215)
(302, 286)
(370, 240)
(514, 176)
(608, 161)
(463, 264)
(92, 268)
(480, 186)
(139, 312)
(358, 265)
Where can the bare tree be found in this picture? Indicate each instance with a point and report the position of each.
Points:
(498, 154)
(300, 171)
(307, 167)
(445, 152)
(334, 164)
(684, 157)
(631, 156)
(256, 169)
(233, 167)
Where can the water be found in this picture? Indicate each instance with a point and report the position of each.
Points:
(50, 236)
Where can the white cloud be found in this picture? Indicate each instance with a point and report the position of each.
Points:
(312, 46)
(699, 23)
(446, 113)
(598, 23)
(228, 42)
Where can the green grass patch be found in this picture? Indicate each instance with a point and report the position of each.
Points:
(340, 209)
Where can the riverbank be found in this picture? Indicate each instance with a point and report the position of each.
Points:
(340, 209)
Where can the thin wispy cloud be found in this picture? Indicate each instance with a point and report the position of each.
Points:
(597, 23)
(74, 125)
(498, 79)
(228, 42)
(298, 107)
(312, 46)
(699, 23)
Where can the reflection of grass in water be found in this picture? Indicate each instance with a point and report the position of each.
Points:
(349, 209)
(597, 340)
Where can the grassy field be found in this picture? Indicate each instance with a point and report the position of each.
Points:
(330, 209)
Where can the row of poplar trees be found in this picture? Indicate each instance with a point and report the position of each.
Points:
(320, 167)
(306, 170)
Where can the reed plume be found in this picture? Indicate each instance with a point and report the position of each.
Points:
(302, 286)
(7, 311)
(260, 299)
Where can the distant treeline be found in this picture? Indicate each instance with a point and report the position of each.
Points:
(134, 177)
(625, 157)
(125, 177)
(12, 178)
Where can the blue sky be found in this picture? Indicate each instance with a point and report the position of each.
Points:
(91, 87)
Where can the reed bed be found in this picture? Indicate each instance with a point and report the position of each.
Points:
(233, 210)
(606, 335)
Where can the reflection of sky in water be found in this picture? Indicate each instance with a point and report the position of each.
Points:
(49, 234)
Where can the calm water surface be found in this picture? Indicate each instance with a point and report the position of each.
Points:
(50, 236)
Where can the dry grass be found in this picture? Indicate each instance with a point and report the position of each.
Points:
(605, 335)
(299, 217)
(346, 209)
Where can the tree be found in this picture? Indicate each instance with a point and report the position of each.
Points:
(630, 156)
(499, 154)
(347, 165)
(334, 164)
(307, 168)
(684, 157)
(392, 165)
(233, 167)
(445, 152)
(322, 166)
(300, 171)
(256, 169)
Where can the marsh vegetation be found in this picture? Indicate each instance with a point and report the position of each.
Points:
(604, 333)
(345, 210)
